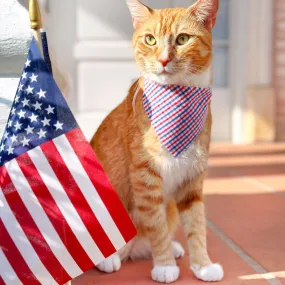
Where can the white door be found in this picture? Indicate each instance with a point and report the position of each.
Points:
(105, 66)
(221, 103)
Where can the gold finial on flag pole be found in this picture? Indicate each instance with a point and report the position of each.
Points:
(35, 15)
(36, 21)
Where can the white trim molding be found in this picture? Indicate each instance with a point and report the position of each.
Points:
(260, 49)
(238, 54)
(251, 59)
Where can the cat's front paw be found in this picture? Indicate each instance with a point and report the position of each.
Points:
(178, 250)
(165, 274)
(110, 264)
(209, 273)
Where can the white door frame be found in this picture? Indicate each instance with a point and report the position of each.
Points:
(250, 56)
(238, 64)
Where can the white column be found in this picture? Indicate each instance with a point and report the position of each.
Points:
(260, 104)
(260, 27)
(238, 64)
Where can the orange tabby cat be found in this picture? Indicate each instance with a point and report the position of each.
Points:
(172, 46)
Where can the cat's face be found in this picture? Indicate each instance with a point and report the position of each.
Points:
(173, 45)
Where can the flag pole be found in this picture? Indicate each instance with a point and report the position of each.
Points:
(36, 22)
(39, 33)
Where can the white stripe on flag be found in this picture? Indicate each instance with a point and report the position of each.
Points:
(23, 244)
(41, 219)
(7, 272)
(93, 198)
(65, 205)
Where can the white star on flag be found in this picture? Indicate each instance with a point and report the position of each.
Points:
(58, 126)
(13, 138)
(21, 87)
(33, 118)
(21, 114)
(24, 76)
(45, 122)
(6, 135)
(18, 126)
(17, 98)
(28, 63)
(25, 142)
(29, 90)
(37, 106)
(13, 111)
(10, 150)
(29, 130)
(42, 94)
(42, 133)
(25, 102)
(34, 78)
(2, 147)
(10, 123)
(50, 109)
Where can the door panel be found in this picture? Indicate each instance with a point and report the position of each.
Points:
(106, 66)
(104, 85)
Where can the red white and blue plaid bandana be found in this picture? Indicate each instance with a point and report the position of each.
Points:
(177, 113)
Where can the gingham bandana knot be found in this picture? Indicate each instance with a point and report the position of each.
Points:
(177, 113)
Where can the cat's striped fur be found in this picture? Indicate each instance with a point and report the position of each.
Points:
(155, 187)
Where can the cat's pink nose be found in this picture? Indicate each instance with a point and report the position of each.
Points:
(164, 62)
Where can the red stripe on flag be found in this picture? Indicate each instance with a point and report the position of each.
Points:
(54, 214)
(15, 258)
(1, 281)
(77, 198)
(31, 229)
(101, 182)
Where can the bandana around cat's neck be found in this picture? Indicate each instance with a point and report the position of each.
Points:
(177, 113)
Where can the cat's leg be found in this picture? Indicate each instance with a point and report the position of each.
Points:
(177, 249)
(141, 250)
(110, 264)
(149, 203)
(192, 212)
(113, 262)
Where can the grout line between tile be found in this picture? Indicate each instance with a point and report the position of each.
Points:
(258, 268)
(262, 185)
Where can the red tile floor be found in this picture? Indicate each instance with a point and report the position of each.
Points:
(245, 199)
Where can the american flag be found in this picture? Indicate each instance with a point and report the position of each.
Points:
(60, 215)
(177, 113)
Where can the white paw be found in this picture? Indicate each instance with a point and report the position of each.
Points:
(165, 274)
(178, 250)
(210, 273)
(110, 264)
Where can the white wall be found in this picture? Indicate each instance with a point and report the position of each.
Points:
(91, 51)
(92, 55)
(14, 38)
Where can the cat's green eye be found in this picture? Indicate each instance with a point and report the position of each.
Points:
(150, 40)
(182, 39)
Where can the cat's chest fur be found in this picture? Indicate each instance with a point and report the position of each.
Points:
(174, 171)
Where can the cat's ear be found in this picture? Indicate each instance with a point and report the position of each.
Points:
(140, 13)
(206, 12)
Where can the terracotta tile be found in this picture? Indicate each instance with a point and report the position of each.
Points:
(139, 273)
(255, 222)
(241, 201)
(236, 161)
(232, 186)
(271, 183)
(258, 160)
(236, 150)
